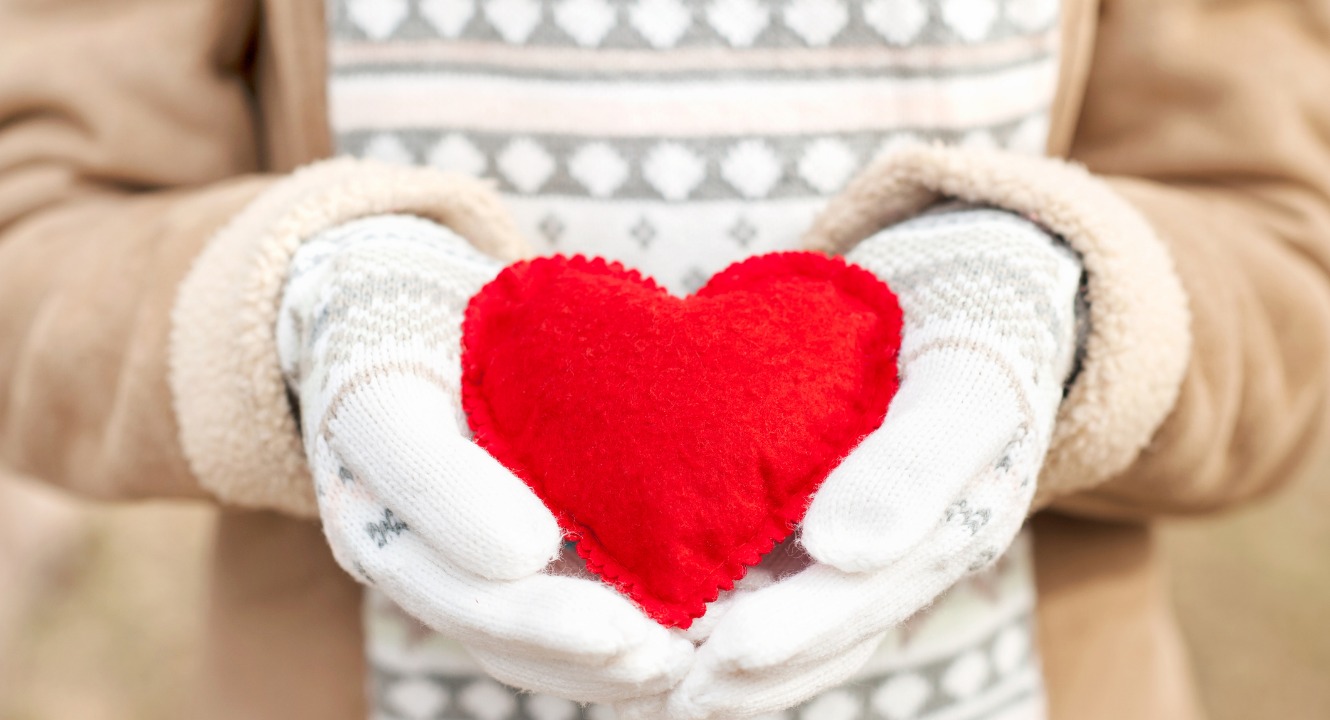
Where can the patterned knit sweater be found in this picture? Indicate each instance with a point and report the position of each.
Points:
(679, 136)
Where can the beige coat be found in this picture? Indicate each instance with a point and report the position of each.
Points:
(147, 209)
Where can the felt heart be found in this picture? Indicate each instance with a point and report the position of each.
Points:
(678, 439)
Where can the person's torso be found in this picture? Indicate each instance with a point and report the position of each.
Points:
(679, 136)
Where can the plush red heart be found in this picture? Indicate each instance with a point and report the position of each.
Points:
(678, 439)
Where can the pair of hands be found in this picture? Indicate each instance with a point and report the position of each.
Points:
(370, 335)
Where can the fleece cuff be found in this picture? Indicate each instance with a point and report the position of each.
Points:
(236, 424)
(1139, 340)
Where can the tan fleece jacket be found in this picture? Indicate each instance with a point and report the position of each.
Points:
(141, 139)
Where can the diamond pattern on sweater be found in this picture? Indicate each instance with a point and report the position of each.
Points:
(816, 22)
(669, 24)
(971, 20)
(586, 21)
(417, 698)
(448, 17)
(453, 152)
(694, 279)
(973, 675)
(1010, 650)
(680, 205)
(644, 233)
(487, 700)
(966, 675)
(526, 164)
(738, 21)
(515, 20)
(661, 22)
(673, 170)
(752, 168)
(1031, 14)
(378, 19)
(388, 148)
(599, 168)
(743, 232)
(552, 228)
(898, 21)
(748, 168)
(841, 704)
(547, 707)
(826, 164)
(901, 695)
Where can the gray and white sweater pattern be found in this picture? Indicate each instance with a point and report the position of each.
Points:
(679, 136)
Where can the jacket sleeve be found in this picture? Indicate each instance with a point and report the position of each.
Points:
(1198, 196)
(126, 140)
(1213, 119)
(142, 252)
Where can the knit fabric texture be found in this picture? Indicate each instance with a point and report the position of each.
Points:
(678, 137)
(940, 490)
(970, 657)
(368, 305)
(369, 339)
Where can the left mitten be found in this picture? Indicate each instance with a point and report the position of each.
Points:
(369, 342)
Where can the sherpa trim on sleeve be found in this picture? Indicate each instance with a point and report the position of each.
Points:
(1139, 341)
(237, 429)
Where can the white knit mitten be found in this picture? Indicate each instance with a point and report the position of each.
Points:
(940, 490)
(369, 338)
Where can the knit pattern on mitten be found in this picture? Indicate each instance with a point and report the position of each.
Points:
(369, 333)
(365, 302)
(940, 490)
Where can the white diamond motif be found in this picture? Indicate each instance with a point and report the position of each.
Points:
(548, 707)
(377, 18)
(585, 21)
(599, 168)
(895, 142)
(448, 17)
(457, 154)
(738, 21)
(674, 170)
(743, 232)
(488, 700)
(970, 19)
(551, 228)
(752, 168)
(526, 164)
(513, 19)
(966, 675)
(661, 22)
(831, 705)
(826, 165)
(387, 148)
(417, 697)
(817, 22)
(902, 696)
(1010, 649)
(643, 232)
(1032, 14)
(693, 280)
(899, 21)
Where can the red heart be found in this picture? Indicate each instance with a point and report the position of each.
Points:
(677, 440)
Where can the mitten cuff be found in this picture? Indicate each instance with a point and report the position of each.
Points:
(236, 424)
(1139, 339)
